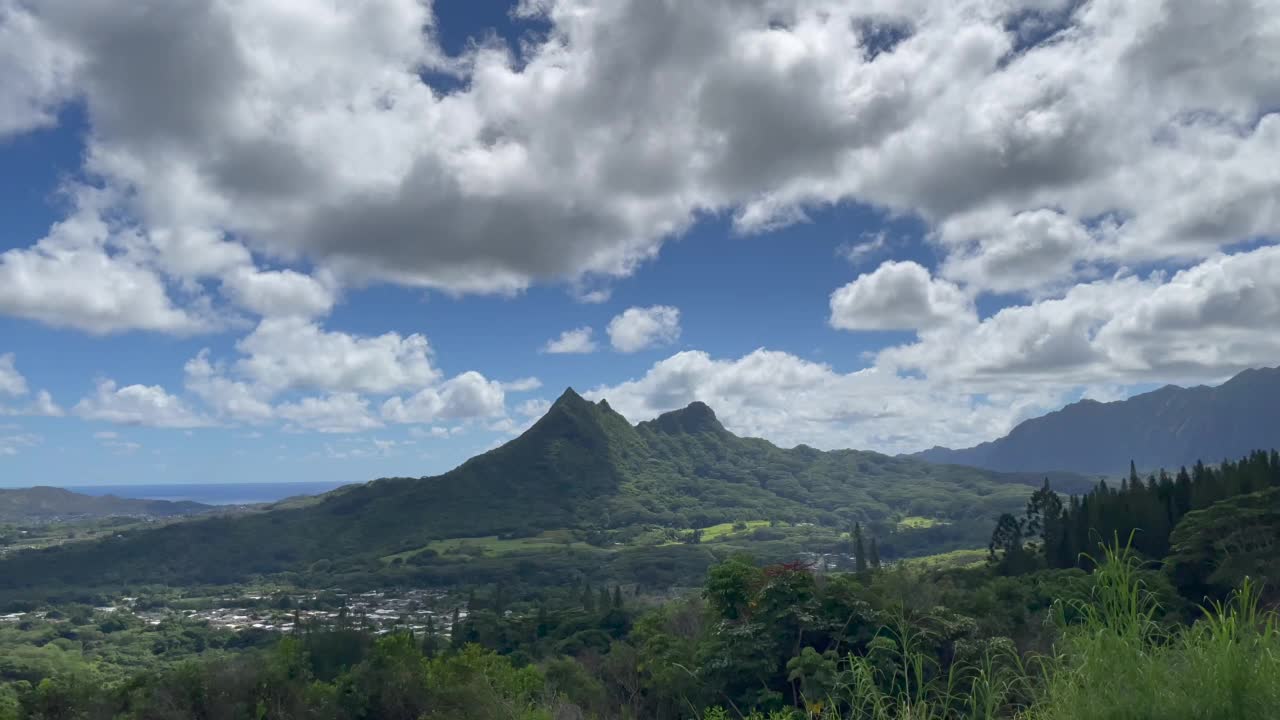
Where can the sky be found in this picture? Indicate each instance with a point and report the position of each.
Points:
(281, 240)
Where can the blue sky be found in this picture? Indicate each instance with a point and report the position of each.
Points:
(337, 243)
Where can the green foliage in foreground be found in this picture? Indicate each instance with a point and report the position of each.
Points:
(774, 643)
(1120, 663)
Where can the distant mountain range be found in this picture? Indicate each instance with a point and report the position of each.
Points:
(1167, 428)
(41, 504)
(582, 468)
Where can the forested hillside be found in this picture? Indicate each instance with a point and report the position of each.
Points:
(1124, 631)
(1168, 427)
(582, 468)
(49, 503)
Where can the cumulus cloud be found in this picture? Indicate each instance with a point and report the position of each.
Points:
(466, 396)
(310, 134)
(37, 69)
(289, 356)
(290, 352)
(148, 405)
(573, 341)
(533, 408)
(898, 296)
(14, 385)
(1202, 324)
(640, 328)
(11, 381)
(344, 412)
(43, 404)
(278, 292)
(228, 398)
(82, 275)
(1043, 143)
(790, 400)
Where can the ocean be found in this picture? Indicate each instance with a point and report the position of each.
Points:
(211, 493)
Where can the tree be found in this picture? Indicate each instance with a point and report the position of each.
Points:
(1044, 521)
(874, 554)
(860, 554)
(1006, 550)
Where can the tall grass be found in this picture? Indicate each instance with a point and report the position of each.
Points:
(1120, 664)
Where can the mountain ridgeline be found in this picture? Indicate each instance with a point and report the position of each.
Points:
(1169, 427)
(44, 504)
(582, 468)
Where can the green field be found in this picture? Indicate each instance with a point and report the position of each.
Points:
(490, 545)
(917, 522)
(723, 530)
(953, 559)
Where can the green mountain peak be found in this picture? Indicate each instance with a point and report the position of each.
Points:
(696, 417)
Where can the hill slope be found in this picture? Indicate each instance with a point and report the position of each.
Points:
(1168, 427)
(581, 467)
(39, 504)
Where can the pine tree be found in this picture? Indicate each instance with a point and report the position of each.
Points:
(430, 642)
(455, 630)
(617, 597)
(874, 553)
(860, 554)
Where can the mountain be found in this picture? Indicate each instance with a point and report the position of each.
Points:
(1169, 427)
(581, 468)
(41, 504)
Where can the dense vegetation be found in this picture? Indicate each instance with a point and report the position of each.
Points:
(1165, 428)
(582, 471)
(1119, 631)
(1217, 525)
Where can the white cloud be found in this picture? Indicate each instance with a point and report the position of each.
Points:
(309, 134)
(533, 408)
(790, 400)
(278, 292)
(106, 435)
(1202, 324)
(37, 70)
(14, 385)
(43, 404)
(898, 296)
(289, 355)
(640, 328)
(522, 385)
(466, 396)
(81, 276)
(230, 399)
(870, 245)
(289, 352)
(577, 340)
(11, 381)
(335, 413)
(138, 405)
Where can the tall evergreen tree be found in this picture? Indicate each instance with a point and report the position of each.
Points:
(860, 554)
(456, 630)
(874, 553)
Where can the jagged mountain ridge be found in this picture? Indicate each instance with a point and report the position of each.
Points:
(1168, 427)
(581, 467)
